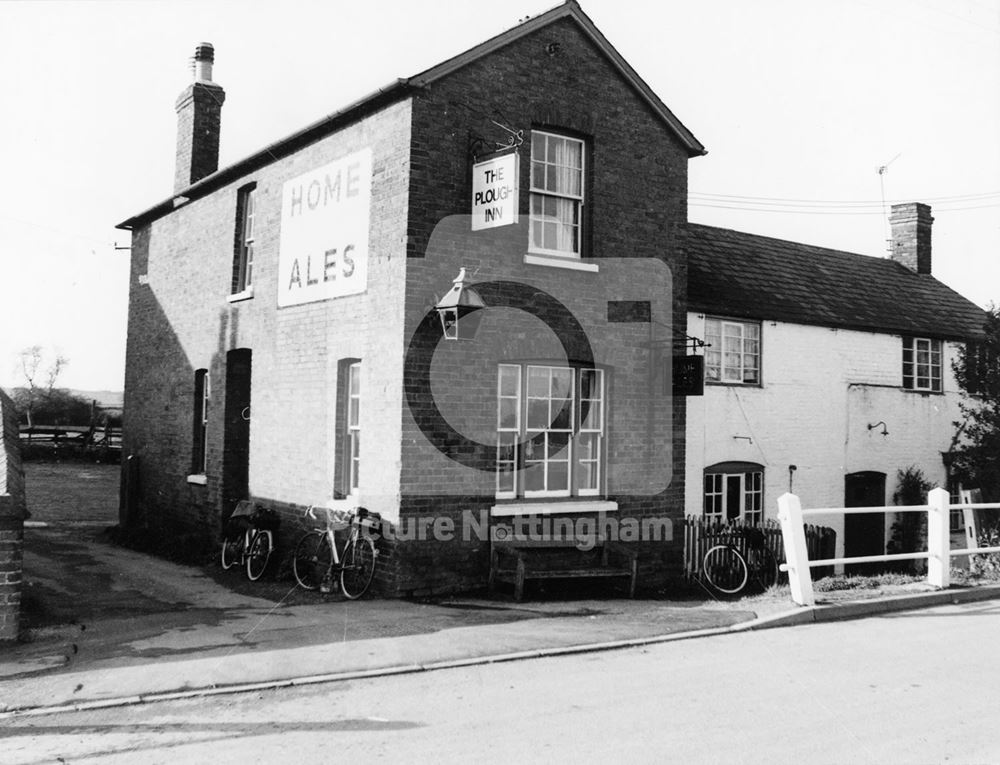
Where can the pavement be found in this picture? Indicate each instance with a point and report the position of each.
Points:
(108, 626)
(143, 629)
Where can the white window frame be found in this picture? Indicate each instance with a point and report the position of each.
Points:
(514, 436)
(546, 460)
(508, 434)
(718, 333)
(352, 453)
(751, 488)
(590, 430)
(247, 205)
(540, 193)
(201, 437)
(924, 375)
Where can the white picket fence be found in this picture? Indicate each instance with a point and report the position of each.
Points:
(938, 554)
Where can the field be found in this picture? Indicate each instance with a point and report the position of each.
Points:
(68, 492)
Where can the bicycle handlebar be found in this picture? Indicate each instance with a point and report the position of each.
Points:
(341, 519)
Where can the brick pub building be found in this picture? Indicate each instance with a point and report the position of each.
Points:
(284, 344)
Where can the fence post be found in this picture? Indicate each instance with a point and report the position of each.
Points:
(938, 539)
(796, 554)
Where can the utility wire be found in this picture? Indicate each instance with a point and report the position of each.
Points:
(836, 202)
(820, 211)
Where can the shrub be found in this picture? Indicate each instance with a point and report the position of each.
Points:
(909, 530)
(988, 564)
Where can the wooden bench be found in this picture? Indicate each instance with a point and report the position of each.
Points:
(517, 560)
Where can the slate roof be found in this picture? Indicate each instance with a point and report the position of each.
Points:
(404, 87)
(740, 275)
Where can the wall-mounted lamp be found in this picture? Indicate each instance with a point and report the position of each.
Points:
(885, 430)
(459, 310)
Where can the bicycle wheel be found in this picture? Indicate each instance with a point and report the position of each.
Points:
(765, 569)
(359, 567)
(260, 552)
(311, 559)
(724, 569)
(232, 551)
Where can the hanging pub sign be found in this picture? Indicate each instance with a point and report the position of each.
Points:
(494, 192)
(689, 375)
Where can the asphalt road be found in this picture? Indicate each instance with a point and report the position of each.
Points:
(918, 687)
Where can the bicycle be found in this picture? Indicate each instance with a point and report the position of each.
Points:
(728, 569)
(249, 538)
(316, 560)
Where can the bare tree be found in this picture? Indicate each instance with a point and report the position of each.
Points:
(32, 367)
(31, 360)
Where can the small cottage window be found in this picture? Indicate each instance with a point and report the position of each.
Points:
(922, 364)
(732, 353)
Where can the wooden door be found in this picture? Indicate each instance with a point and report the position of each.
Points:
(864, 533)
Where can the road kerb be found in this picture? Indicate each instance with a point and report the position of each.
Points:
(859, 608)
(788, 618)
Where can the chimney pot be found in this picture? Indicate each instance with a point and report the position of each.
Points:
(911, 236)
(204, 57)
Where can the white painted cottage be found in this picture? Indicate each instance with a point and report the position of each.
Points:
(825, 373)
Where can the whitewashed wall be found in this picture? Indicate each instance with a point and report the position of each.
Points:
(821, 388)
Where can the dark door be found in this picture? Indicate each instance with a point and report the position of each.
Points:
(864, 533)
(236, 444)
(734, 497)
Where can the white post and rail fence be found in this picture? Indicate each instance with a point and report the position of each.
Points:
(938, 554)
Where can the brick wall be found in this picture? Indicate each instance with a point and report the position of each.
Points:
(199, 116)
(636, 192)
(911, 236)
(13, 511)
(181, 320)
(821, 389)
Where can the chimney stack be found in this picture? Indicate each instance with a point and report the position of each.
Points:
(911, 236)
(199, 111)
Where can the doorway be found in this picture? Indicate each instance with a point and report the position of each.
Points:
(236, 442)
(864, 533)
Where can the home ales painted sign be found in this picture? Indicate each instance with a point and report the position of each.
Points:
(323, 248)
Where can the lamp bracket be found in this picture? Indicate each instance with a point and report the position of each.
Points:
(514, 137)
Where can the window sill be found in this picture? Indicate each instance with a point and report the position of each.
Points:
(554, 261)
(349, 503)
(198, 480)
(236, 297)
(552, 507)
(724, 384)
(923, 392)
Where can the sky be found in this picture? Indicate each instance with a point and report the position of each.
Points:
(799, 103)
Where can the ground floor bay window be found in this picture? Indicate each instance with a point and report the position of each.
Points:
(734, 492)
(550, 431)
